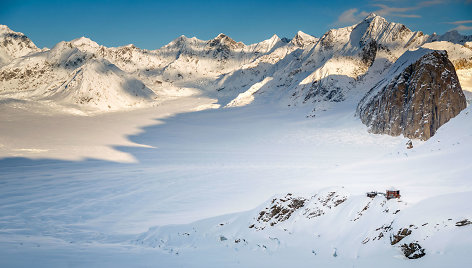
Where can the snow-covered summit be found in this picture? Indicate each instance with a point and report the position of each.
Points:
(303, 40)
(85, 44)
(224, 40)
(373, 28)
(266, 46)
(14, 45)
(371, 16)
(453, 36)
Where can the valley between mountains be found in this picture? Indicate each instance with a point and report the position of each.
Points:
(215, 153)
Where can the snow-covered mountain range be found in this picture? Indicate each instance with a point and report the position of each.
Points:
(342, 65)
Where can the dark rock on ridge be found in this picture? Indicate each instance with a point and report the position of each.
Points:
(413, 251)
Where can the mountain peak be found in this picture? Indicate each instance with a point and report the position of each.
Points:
(221, 36)
(274, 37)
(271, 41)
(177, 42)
(14, 44)
(85, 44)
(453, 36)
(225, 40)
(130, 46)
(452, 33)
(378, 29)
(7, 32)
(303, 35)
(84, 41)
(371, 16)
(4, 28)
(302, 39)
(374, 18)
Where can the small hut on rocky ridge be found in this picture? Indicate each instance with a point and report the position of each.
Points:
(392, 193)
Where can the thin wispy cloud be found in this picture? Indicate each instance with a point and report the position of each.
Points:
(385, 10)
(460, 22)
(462, 28)
(354, 15)
(461, 25)
(350, 16)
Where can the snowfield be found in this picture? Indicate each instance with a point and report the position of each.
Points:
(199, 180)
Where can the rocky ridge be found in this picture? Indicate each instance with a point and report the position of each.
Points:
(321, 222)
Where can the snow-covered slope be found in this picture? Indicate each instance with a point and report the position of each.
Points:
(327, 225)
(171, 206)
(341, 226)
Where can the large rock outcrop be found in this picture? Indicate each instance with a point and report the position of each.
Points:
(420, 94)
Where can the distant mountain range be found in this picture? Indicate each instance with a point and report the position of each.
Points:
(356, 65)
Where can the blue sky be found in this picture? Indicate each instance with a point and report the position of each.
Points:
(152, 24)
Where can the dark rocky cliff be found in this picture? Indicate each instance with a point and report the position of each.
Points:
(416, 102)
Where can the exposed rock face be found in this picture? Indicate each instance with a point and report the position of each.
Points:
(417, 101)
(369, 52)
(413, 250)
(463, 223)
(400, 235)
(222, 46)
(281, 209)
